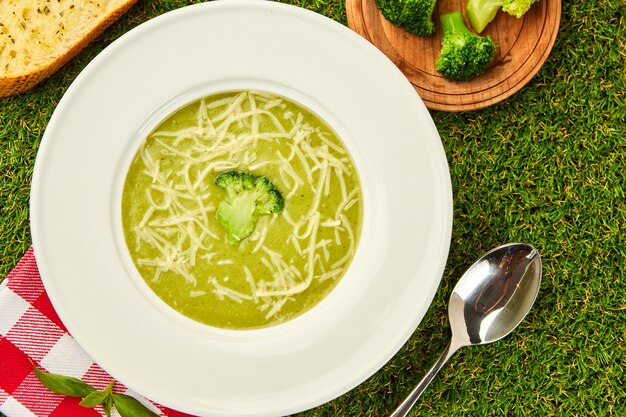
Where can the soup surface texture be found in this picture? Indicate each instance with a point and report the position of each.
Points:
(291, 260)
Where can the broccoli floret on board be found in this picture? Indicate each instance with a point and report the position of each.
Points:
(481, 12)
(464, 54)
(415, 16)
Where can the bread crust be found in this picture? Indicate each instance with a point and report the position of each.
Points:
(14, 85)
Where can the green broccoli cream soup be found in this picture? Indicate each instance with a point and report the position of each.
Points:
(242, 210)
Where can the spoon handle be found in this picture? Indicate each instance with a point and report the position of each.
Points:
(404, 408)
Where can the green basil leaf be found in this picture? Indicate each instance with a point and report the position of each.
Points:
(94, 399)
(65, 385)
(107, 405)
(128, 406)
(109, 388)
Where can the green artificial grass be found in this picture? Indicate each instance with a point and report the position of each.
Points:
(544, 167)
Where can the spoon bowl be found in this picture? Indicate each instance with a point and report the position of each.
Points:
(490, 300)
(494, 295)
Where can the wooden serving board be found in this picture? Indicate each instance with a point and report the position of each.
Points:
(523, 46)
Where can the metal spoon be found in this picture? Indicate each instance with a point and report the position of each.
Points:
(489, 302)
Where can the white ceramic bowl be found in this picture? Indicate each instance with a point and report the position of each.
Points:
(168, 62)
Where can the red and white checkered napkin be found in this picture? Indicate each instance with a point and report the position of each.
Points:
(30, 330)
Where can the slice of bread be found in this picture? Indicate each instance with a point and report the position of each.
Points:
(37, 37)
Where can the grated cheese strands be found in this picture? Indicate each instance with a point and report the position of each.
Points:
(194, 294)
(344, 202)
(271, 104)
(261, 240)
(166, 203)
(328, 143)
(350, 204)
(204, 122)
(327, 185)
(337, 237)
(296, 244)
(223, 102)
(172, 151)
(336, 163)
(228, 292)
(255, 115)
(288, 218)
(342, 185)
(146, 216)
(276, 308)
(351, 242)
(232, 104)
(311, 153)
(310, 222)
(305, 164)
(331, 223)
(319, 189)
(251, 282)
(172, 193)
(175, 137)
(259, 133)
(329, 275)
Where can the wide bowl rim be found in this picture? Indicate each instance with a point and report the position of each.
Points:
(57, 263)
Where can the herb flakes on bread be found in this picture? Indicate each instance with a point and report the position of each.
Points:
(37, 37)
